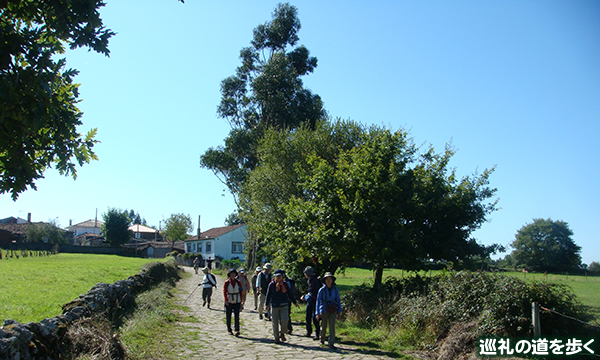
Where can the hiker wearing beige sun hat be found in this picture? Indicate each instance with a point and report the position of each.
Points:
(262, 282)
(329, 308)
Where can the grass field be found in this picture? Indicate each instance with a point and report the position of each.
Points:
(35, 288)
(587, 288)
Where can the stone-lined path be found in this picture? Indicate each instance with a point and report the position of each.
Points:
(207, 337)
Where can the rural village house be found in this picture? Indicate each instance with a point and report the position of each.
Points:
(86, 227)
(142, 233)
(226, 242)
(155, 249)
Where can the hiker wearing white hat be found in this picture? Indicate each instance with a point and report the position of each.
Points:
(264, 278)
(208, 282)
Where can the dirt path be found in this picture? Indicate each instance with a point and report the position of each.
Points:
(207, 337)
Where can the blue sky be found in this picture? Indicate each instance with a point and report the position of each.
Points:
(514, 85)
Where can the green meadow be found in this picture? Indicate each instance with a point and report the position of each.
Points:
(35, 288)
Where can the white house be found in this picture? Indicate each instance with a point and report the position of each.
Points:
(226, 242)
(89, 226)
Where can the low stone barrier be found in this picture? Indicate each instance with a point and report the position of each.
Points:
(46, 340)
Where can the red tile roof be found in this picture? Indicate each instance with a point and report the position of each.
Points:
(215, 232)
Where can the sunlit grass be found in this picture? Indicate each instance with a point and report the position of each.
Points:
(35, 288)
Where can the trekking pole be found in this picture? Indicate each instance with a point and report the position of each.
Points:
(191, 293)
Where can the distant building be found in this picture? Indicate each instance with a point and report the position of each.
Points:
(154, 249)
(14, 220)
(226, 242)
(141, 232)
(86, 227)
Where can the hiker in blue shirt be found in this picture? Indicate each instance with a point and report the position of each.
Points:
(329, 308)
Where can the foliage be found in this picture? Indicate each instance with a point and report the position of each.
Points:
(38, 98)
(233, 219)
(344, 193)
(499, 305)
(227, 264)
(266, 92)
(116, 227)
(284, 160)
(177, 227)
(546, 245)
(135, 218)
(46, 233)
(190, 256)
(594, 268)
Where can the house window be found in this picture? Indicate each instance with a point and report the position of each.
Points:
(237, 247)
(208, 247)
(194, 247)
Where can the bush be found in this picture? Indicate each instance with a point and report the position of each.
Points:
(231, 264)
(173, 253)
(191, 256)
(491, 304)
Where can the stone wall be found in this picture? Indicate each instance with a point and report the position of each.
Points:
(46, 339)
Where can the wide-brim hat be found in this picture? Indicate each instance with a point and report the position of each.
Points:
(309, 271)
(258, 269)
(328, 274)
(230, 271)
(205, 269)
(268, 266)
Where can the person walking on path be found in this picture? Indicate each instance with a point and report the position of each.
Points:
(196, 264)
(254, 289)
(263, 281)
(278, 301)
(232, 292)
(208, 282)
(311, 302)
(292, 285)
(329, 307)
(245, 286)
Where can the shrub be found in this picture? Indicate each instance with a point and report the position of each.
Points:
(173, 253)
(491, 304)
(231, 264)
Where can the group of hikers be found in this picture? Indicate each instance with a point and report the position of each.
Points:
(274, 294)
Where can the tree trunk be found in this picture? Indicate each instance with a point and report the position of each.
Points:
(378, 276)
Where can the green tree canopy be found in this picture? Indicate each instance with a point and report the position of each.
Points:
(266, 92)
(343, 192)
(177, 227)
(284, 158)
(116, 227)
(594, 268)
(38, 112)
(546, 245)
(48, 233)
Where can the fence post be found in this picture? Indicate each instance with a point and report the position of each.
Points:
(535, 319)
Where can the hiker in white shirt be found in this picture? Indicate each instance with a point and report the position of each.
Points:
(208, 282)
